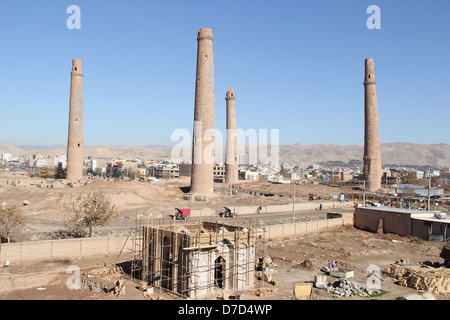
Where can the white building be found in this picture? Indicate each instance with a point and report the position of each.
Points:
(5, 157)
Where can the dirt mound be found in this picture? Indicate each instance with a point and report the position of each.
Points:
(316, 265)
(310, 264)
(348, 266)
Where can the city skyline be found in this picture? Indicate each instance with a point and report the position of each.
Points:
(297, 67)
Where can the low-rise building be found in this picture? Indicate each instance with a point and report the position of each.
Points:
(420, 191)
(219, 171)
(164, 171)
(445, 178)
(44, 162)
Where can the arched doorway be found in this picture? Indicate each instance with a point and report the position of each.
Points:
(219, 272)
(166, 264)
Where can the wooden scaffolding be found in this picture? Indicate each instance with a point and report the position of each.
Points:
(198, 259)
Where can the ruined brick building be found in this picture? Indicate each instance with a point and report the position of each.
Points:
(199, 259)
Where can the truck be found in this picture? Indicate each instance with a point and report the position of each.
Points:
(229, 212)
(181, 214)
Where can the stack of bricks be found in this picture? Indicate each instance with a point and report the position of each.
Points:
(427, 278)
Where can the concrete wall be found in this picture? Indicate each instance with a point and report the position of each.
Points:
(291, 229)
(399, 221)
(306, 206)
(63, 249)
(89, 247)
(204, 213)
(421, 228)
(393, 221)
(39, 183)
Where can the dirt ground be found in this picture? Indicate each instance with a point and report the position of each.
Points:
(297, 259)
(45, 211)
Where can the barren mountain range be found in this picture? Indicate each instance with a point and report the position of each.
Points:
(398, 153)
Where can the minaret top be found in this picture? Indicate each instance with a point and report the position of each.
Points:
(230, 94)
(205, 34)
(76, 65)
(369, 72)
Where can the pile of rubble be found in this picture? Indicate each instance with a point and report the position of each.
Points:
(108, 279)
(264, 292)
(343, 288)
(266, 276)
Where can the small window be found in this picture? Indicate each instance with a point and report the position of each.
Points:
(369, 76)
(75, 68)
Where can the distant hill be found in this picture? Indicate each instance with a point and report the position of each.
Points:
(398, 153)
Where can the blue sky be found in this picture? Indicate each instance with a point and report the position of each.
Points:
(296, 66)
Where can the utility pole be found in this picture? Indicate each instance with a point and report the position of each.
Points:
(364, 193)
(429, 187)
(293, 204)
(231, 181)
(3, 211)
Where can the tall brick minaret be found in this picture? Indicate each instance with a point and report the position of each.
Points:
(75, 156)
(372, 154)
(231, 163)
(202, 176)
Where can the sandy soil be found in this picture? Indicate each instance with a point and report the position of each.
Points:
(297, 259)
(137, 199)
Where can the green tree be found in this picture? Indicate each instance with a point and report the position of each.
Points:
(45, 172)
(98, 171)
(87, 212)
(410, 178)
(12, 221)
(335, 182)
(60, 172)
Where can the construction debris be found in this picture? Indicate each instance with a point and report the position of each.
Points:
(264, 292)
(143, 285)
(343, 288)
(320, 281)
(266, 276)
(445, 254)
(108, 279)
(432, 278)
(342, 273)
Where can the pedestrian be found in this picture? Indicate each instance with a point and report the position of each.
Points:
(320, 207)
(332, 265)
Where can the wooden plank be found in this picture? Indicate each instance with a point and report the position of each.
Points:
(302, 290)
